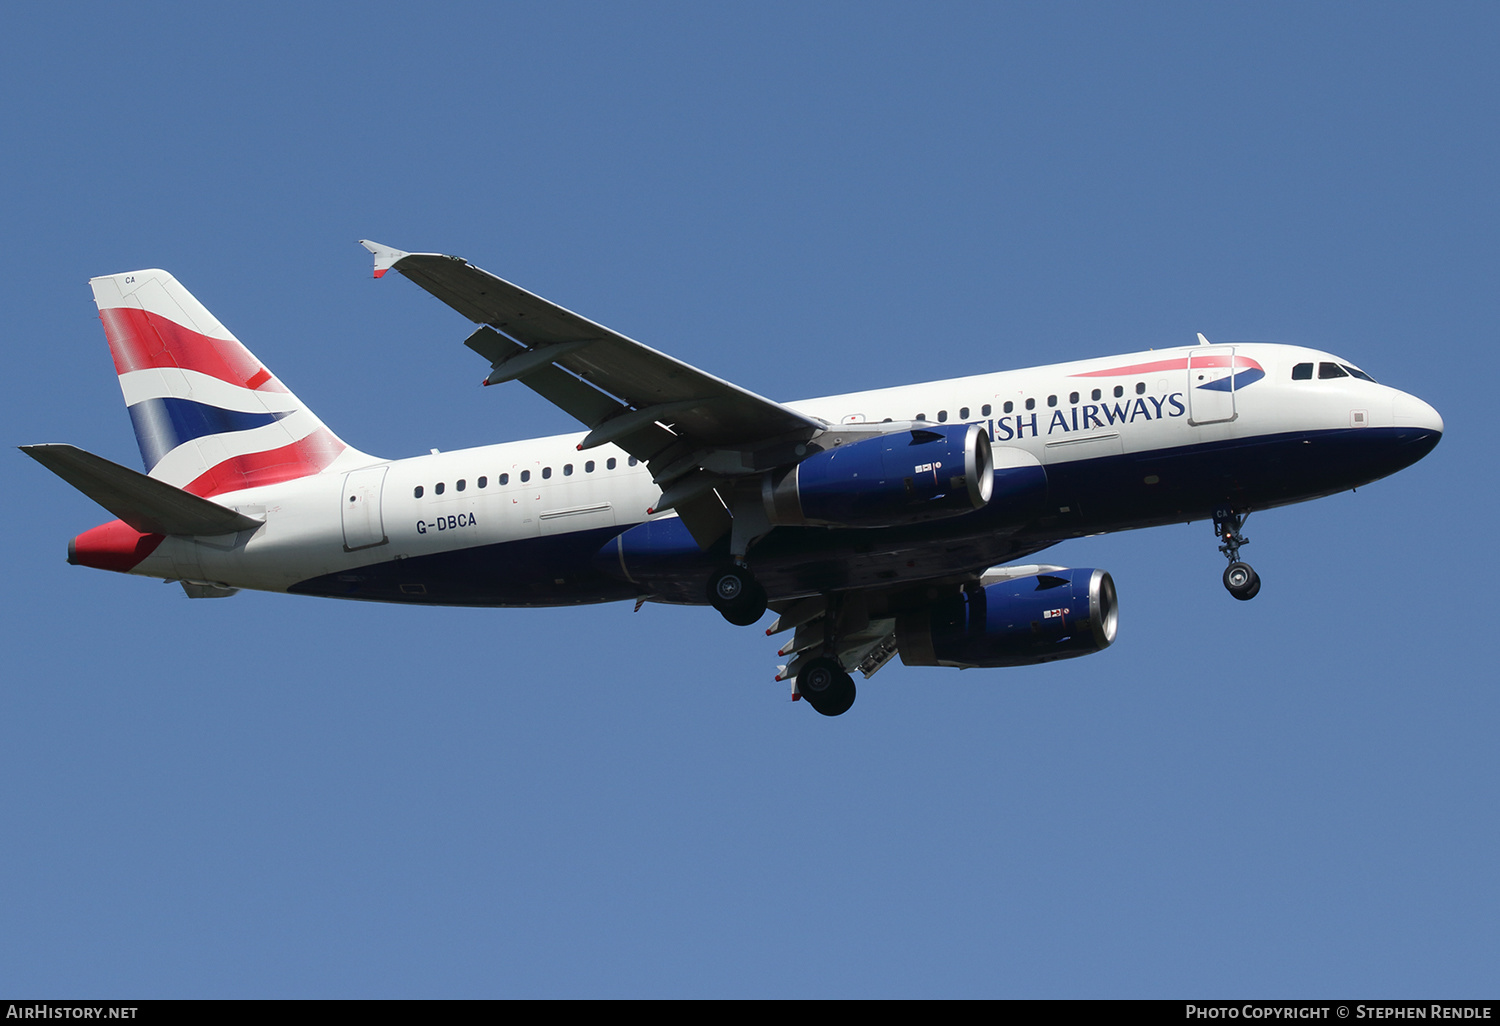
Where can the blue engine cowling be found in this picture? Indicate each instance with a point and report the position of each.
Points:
(926, 473)
(1019, 622)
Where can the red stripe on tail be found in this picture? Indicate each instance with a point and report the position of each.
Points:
(139, 340)
(300, 459)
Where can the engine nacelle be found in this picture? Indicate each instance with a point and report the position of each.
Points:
(926, 473)
(1057, 614)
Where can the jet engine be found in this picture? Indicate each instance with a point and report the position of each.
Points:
(1020, 621)
(905, 477)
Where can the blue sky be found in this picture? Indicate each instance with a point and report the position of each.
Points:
(277, 796)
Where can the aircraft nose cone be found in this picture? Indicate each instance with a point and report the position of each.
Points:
(1411, 412)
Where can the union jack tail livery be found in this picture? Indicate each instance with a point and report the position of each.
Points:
(209, 417)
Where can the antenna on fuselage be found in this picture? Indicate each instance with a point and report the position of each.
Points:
(1203, 340)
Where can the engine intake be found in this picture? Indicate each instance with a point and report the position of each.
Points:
(926, 473)
(1057, 614)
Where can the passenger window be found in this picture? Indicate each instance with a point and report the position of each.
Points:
(1052, 400)
(1009, 406)
(963, 414)
(505, 479)
(416, 493)
(1119, 391)
(461, 484)
(483, 481)
(525, 475)
(609, 464)
(921, 416)
(567, 470)
(632, 461)
(1072, 397)
(546, 473)
(1095, 394)
(984, 411)
(588, 468)
(1140, 388)
(1031, 404)
(1302, 372)
(437, 489)
(1330, 370)
(942, 416)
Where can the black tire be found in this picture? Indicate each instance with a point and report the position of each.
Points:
(826, 687)
(1242, 581)
(737, 595)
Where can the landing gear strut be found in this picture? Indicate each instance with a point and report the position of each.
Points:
(1240, 578)
(820, 644)
(826, 687)
(737, 595)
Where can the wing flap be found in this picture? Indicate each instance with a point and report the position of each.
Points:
(144, 503)
(570, 394)
(866, 651)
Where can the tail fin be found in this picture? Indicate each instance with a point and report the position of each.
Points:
(208, 416)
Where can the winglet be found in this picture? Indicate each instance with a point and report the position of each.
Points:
(385, 256)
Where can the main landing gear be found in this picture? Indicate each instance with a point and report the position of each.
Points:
(737, 595)
(1240, 578)
(822, 643)
(826, 687)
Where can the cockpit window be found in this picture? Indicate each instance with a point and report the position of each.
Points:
(1302, 372)
(1330, 370)
(1356, 372)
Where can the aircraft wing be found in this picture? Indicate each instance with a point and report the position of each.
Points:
(705, 410)
(695, 431)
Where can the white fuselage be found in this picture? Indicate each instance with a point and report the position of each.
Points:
(515, 491)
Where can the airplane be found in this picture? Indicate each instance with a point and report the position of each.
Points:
(874, 524)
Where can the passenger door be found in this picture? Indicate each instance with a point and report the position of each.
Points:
(1211, 385)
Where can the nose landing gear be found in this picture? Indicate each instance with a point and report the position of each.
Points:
(1240, 578)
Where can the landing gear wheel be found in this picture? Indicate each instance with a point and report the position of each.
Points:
(826, 687)
(738, 597)
(1242, 581)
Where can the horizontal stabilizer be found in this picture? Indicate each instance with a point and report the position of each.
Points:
(144, 503)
